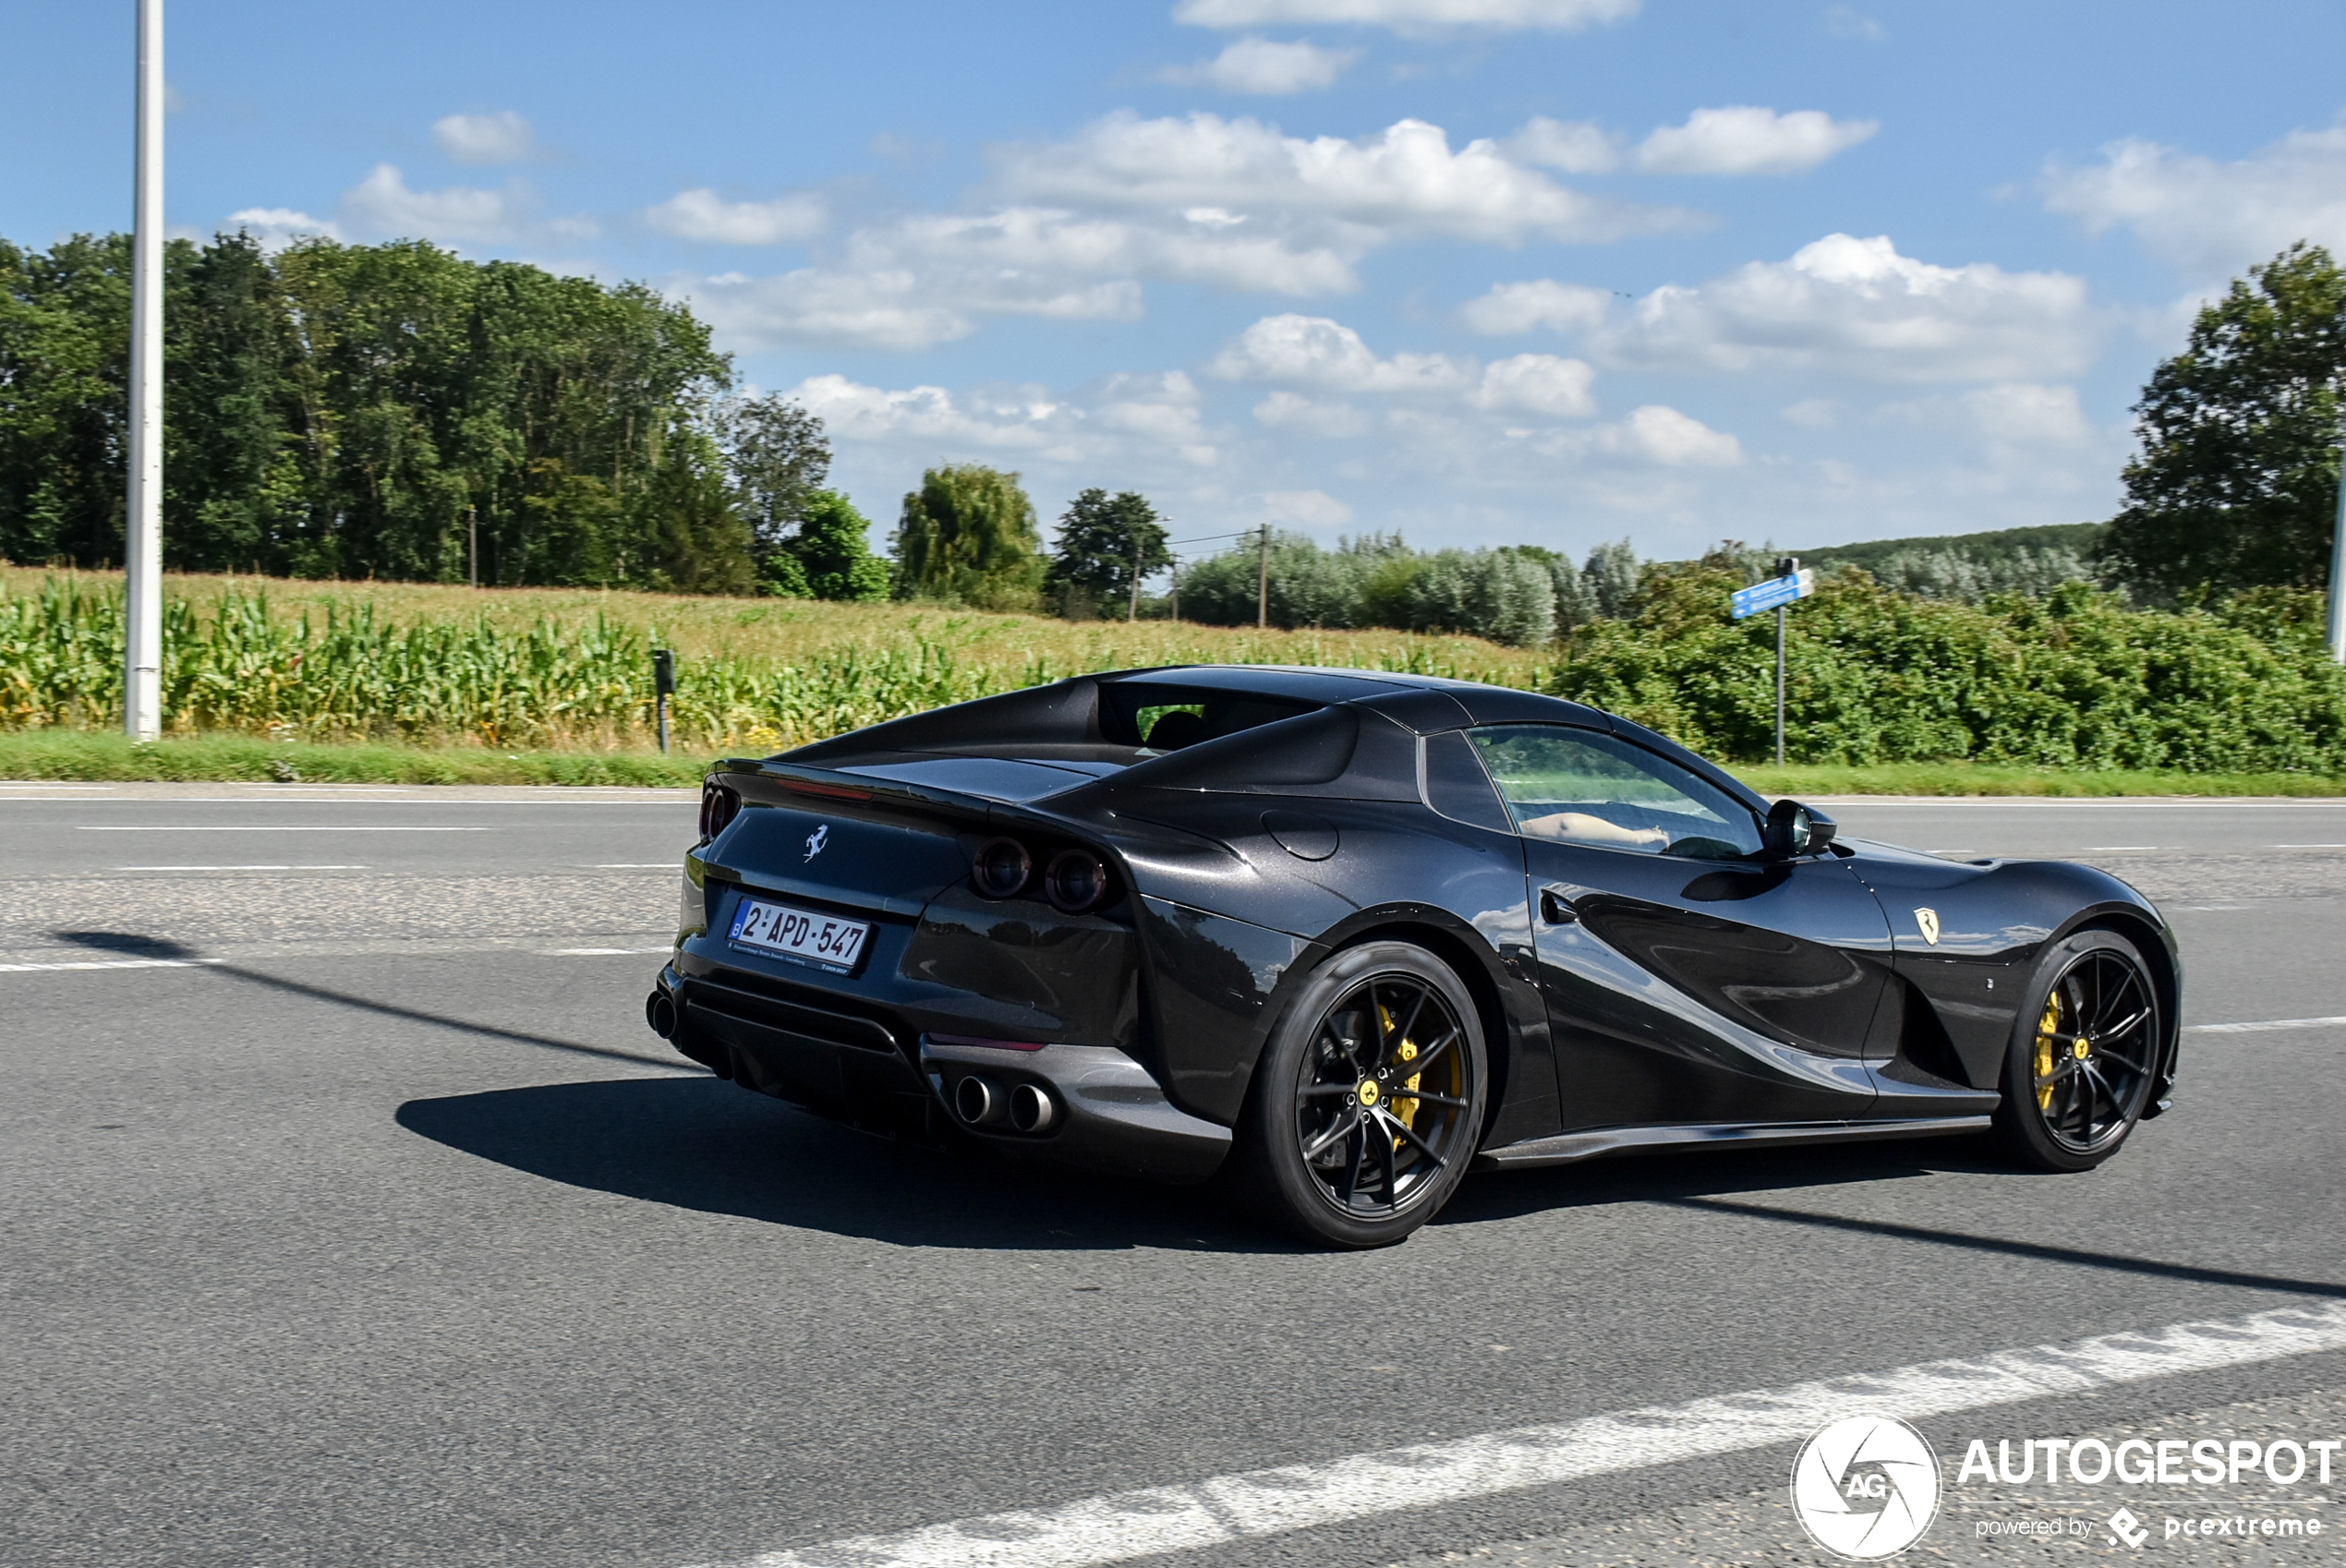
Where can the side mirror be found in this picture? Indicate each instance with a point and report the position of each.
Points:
(1795, 831)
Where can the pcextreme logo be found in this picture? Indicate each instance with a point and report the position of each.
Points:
(1866, 1488)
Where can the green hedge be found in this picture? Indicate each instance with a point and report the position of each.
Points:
(2073, 680)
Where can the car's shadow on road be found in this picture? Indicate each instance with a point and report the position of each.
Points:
(699, 1143)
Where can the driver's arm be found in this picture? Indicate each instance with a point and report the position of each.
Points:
(1588, 830)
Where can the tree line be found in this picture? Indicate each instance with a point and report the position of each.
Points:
(395, 411)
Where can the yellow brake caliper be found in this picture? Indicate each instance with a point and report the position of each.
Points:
(2047, 1043)
(1403, 1110)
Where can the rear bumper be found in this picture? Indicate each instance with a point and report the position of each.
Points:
(1113, 1116)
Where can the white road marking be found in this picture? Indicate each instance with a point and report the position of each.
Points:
(2114, 849)
(1225, 1509)
(2262, 1025)
(2310, 846)
(598, 952)
(240, 868)
(637, 866)
(261, 827)
(112, 963)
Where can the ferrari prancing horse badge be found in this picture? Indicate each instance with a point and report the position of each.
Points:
(1928, 920)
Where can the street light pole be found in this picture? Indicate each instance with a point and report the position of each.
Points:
(142, 555)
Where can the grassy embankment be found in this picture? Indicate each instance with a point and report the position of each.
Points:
(414, 683)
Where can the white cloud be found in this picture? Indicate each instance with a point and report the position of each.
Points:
(1165, 411)
(1538, 383)
(1578, 146)
(2008, 415)
(1510, 309)
(1668, 439)
(276, 228)
(1297, 414)
(1263, 66)
(382, 204)
(1742, 140)
(1403, 180)
(891, 307)
(503, 137)
(1408, 16)
(2213, 219)
(1856, 308)
(1313, 351)
(1021, 420)
(1310, 509)
(1813, 413)
(705, 215)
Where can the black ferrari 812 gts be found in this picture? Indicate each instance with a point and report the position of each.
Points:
(1342, 936)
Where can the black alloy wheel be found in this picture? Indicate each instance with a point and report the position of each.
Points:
(1368, 1102)
(2084, 1057)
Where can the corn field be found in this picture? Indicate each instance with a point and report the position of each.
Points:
(338, 669)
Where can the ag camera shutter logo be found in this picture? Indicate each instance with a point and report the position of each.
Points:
(1866, 1488)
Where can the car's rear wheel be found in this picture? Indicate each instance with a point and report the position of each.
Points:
(2084, 1053)
(1368, 1102)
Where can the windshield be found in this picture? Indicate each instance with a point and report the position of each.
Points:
(1593, 789)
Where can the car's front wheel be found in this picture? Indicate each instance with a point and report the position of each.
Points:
(1368, 1102)
(2084, 1053)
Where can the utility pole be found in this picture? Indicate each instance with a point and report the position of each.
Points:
(1787, 567)
(2337, 558)
(1133, 613)
(1262, 584)
(142, 558)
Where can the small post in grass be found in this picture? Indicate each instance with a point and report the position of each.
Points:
(1778, 593)
(663, 685)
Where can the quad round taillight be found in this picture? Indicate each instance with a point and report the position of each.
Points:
(1002, 869)
(719, 804)
(1075, 881)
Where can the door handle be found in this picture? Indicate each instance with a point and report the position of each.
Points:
(1555, 908)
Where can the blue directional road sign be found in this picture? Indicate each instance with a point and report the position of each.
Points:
(1775, 591)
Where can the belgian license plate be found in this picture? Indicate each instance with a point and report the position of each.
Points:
(822, 940)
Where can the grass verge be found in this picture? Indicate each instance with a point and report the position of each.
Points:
(80, 754)
(1969, 779)
(97, 756)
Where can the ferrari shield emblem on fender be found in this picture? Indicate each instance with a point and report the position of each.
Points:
(1928, 920)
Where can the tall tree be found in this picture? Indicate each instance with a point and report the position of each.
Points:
(832, 550)
(967, 536)
(1107, 545)
(779, 458)
(2236, 481)
(64, 334)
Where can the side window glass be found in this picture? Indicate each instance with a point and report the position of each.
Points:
(1586, 788)
(1456, 787)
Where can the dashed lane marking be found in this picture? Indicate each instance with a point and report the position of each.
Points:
(1226, 1509)
(273, 828)
(2261, 1025)
(599, 952)
(240, 868)
(112, 963)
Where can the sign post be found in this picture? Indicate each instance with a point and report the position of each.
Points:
(663, 683)
(1779, 593)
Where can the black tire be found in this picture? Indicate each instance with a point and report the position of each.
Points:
(1345, 1141)
(2084, 1055)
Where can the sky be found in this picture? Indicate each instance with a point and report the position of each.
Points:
(1476, 271)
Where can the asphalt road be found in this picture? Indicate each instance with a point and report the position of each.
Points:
(349, 1214)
